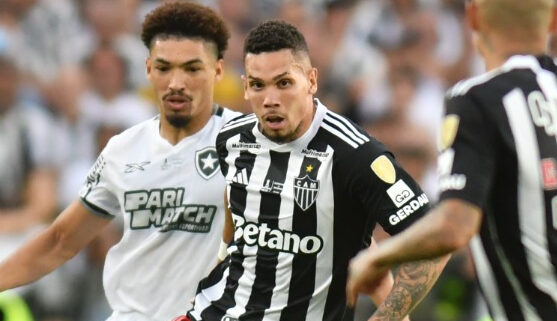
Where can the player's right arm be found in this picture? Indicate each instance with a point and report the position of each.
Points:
(68, 234)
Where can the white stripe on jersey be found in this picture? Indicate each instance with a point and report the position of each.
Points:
(201, 302)
(348, 125)
(340, 135)
(531, 209)
(323, 262)
(487, 280)
(462, 87)
(342, 127)
(240, 122)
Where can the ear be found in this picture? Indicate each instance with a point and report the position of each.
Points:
(219, 69)
(553, 25)
(245, 84)
(148, 67)
(312, 77)
(472, 15)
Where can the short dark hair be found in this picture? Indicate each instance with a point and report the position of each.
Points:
(187, 20)
(274, 35)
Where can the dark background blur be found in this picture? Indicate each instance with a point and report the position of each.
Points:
(72, 75)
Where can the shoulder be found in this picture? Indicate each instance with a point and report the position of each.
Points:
(223, 115)
(341, 133)
(130, 136)
(236, 125)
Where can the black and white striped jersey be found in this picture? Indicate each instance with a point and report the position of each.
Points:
(500, 153)
(301, 210)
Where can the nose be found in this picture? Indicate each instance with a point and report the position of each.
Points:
(177, 81)
(271, 99)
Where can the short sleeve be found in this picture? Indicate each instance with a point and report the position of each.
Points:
(384, 189)
(96, 194)
(466, 161)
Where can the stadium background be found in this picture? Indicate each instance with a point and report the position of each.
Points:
(80, 71)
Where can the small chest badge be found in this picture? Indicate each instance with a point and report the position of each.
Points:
(305, 191)
(207, 162)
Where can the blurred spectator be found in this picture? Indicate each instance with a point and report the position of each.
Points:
(110, 99)
(109, 23)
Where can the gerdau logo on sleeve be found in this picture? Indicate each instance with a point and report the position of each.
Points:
(163, 208)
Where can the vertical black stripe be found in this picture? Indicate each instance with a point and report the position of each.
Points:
(507, 294)
(349, 228)
(267, 260)
(302, 282)
(237, 201)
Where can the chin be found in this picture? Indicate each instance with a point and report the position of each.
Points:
(178, 121)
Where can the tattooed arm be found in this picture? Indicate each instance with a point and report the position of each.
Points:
(412, 282)
(447, 228)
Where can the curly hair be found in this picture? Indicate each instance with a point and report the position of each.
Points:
(274, 35)
(185, 20)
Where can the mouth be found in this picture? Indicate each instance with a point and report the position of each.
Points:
(275, 122)
(177, 102)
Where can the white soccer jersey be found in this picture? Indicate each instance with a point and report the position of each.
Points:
(171, 199)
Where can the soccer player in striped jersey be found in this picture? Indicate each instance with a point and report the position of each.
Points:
(498, 169)
(161, 177)
(305, 188)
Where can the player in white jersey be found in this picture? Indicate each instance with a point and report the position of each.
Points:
(161, 176)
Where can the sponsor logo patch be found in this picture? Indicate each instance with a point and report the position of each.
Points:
(400, 193)
(244, 146)
(549, 173)
(207, 162)
(163, 209)
(314, 153)
(271, 186)
(384, 169)
(449, 130)
(263, 236)
(407, 210)
(305, 191)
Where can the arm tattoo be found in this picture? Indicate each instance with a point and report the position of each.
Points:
(412, 282)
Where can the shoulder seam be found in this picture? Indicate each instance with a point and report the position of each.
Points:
(241, 121)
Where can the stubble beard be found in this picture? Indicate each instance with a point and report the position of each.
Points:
(178, 122)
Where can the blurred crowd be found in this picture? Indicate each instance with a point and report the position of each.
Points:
(72, 74)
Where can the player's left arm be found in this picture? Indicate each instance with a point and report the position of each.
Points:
(448, 227)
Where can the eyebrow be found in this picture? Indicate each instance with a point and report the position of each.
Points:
(274, 78)
(189, 62)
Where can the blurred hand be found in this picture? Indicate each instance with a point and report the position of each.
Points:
(363, 276)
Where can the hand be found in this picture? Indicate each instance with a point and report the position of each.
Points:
(181, 318)
(363, 276)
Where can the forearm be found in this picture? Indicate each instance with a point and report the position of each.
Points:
(447, 228)
(34, 260)
(412, 282)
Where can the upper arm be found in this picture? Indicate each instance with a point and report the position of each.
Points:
(386, 192)
(466, 163)
(76, 226)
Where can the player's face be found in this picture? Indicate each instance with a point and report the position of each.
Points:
(183, 73)
(280, 88)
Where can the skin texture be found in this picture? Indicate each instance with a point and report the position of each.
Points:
(280, 86)
(183, 71)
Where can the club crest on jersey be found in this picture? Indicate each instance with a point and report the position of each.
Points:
(305, 191)
(207, 162)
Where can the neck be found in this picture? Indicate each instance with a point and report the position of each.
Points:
(497, 49)
(175, 134)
